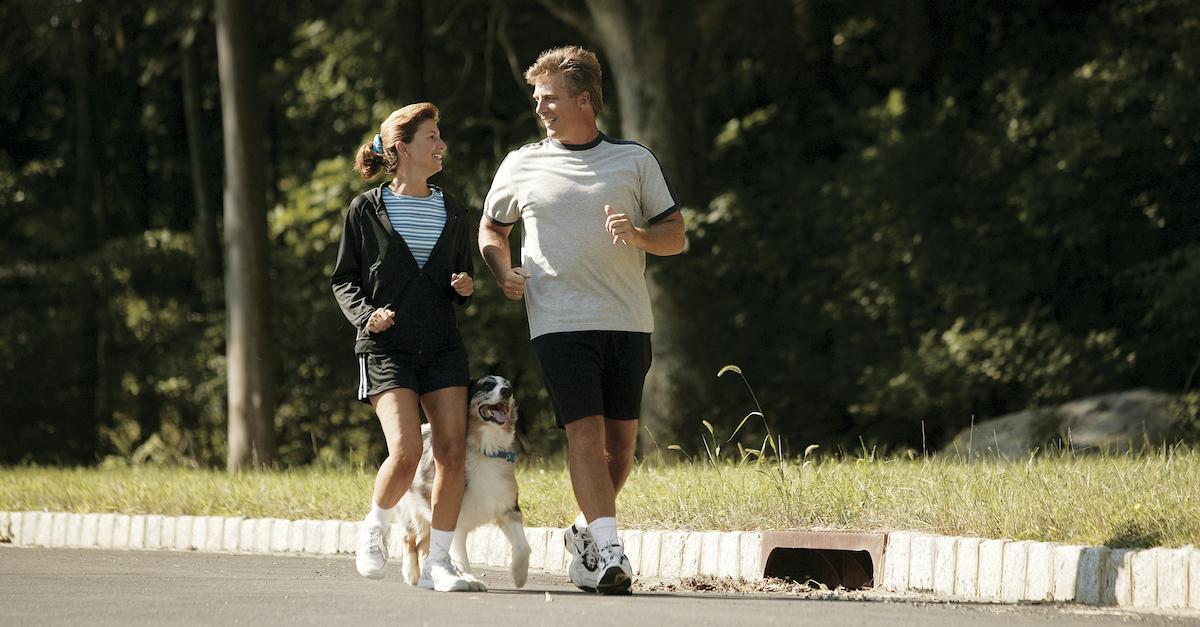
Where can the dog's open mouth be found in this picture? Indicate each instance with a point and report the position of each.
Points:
(498, 413)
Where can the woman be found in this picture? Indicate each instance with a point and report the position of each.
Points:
(403, 262)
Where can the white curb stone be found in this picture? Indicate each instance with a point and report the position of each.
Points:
(183, 533)
(87, 535)
(137, 532)
(731, 561)
(104, 531)
(29, 525)
(348, 537)
(45, 526)
(120, 534)
(1016, 558)
(1194, 580)
(153, 539)
(262, 535)
(670, 558)
(1066, 560)
(710, 551)
(895, 561)
(692, 545)
(751, 554)
(214, 540)
(330, 535)
(1039, 571)
(1117, 588)
(966, 568)
(58, 530)
(297, 528)
(536, 538)
(312, 536)
(991, 569)
(945, 560)
(231, 534)
(246, 532)
(920, 563)
(1173, 579)
(74, 530)
(651, 551)
(280, 530)
(198, 539)
(556, 552)
(1145, 578)
(5, 532)
(12, 531)
(631, 541)
(167, 539)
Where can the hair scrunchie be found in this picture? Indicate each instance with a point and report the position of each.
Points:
(377, 145)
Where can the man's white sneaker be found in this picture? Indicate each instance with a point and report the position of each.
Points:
(602, 570)
(442, 575)
(372, 555)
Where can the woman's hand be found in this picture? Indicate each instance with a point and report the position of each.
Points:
(462, 283)
(381, 320)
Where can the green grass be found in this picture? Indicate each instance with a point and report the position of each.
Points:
(1120, 501)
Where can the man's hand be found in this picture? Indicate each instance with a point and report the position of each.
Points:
(381, 320)
(462, 283)
(621, 228)
(513, 283)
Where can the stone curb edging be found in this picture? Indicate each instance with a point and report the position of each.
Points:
(1009, 571)
(656, 554)
(949, 567)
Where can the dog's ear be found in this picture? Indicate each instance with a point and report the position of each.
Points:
(471, 384)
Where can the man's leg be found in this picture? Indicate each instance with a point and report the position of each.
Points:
(620, 437)
(590, 478)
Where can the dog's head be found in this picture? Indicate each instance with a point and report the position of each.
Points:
(492, 413)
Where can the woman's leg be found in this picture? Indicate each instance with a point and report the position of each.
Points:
(447, 412)
(400, 418)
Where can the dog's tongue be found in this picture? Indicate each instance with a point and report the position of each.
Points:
(499, 415)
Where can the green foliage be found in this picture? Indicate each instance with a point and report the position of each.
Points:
(907, 216)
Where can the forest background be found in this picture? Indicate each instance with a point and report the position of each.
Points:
(904, 217)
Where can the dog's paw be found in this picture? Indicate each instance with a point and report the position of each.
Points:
(475, 584)
(520, 567)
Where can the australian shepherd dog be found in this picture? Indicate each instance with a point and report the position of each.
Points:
(491, 484)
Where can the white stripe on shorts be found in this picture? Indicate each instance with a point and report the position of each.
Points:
(362, 377)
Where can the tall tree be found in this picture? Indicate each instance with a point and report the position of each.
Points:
(248, 348)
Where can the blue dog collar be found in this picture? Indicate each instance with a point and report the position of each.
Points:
(507, 456)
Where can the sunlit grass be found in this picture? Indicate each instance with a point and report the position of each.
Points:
(1118, 500)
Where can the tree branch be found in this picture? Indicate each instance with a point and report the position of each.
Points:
(569, 15)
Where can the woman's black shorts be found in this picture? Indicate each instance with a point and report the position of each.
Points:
(421, 372)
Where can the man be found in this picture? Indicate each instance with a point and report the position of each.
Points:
(591, 207)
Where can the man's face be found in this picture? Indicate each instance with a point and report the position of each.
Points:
(565, 116)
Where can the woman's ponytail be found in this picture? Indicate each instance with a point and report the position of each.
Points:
(367, 163)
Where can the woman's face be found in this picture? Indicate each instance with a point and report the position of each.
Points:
(425, 151)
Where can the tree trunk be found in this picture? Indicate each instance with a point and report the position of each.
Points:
(88, 208)
(208, 248)
(643, 43)
(248, 346)
(404, 82)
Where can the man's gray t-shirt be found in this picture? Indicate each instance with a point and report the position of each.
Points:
(578, 279)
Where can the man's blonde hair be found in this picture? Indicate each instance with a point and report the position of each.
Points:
(579, 68)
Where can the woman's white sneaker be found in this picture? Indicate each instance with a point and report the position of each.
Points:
(443, 576)
(372, 555)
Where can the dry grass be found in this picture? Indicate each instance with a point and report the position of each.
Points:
(1126, 501)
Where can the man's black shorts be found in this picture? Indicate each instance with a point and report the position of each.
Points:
(421, 372)
(594, 373)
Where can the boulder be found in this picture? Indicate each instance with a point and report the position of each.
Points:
(1117, 422)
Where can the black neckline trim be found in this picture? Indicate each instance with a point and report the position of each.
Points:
(592, 144)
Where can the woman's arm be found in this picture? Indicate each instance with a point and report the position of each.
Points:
(347, 275)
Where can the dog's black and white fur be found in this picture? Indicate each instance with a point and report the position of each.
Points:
(491, 484)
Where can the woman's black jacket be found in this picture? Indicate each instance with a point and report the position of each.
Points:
(375, 269)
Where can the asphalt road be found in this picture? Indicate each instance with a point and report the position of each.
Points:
(96, 587)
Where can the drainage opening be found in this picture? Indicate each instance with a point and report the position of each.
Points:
(852, 570)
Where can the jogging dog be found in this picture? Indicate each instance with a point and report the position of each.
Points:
(491, 485)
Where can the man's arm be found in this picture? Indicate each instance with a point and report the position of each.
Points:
(663, 238)
(493, 245)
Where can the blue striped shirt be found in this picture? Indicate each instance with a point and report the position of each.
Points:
(418, 220)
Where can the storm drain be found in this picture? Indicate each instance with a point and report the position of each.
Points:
(846, 559)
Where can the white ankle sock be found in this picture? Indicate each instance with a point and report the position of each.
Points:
(379, 516)
(580, 522)
(604, 531)
(439, 543)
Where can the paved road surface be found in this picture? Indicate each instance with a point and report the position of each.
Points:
(96, 587)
